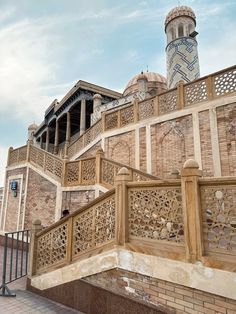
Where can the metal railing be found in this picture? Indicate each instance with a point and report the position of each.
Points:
(15, 259)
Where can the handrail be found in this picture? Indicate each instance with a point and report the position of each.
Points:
(187, 219)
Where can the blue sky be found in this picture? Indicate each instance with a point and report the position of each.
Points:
(48, 45)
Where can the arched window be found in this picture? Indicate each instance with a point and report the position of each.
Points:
(180, 30)
(190, 29)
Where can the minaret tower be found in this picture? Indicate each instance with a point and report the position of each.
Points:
(181, 49)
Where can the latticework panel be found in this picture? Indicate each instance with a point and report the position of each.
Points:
(76, 147)
(168, 102)
(13, 158)
(52, 247)
(109, 172)
(146, 109)
(54, 166)
(72, 173)
(219, 217)
(111, 120)
(156, 213)
(225, 83)
(127, 116)
(88, 171)
(140, 177)
(22, 154)
(37, 157)
(195, 92)
(95, 226)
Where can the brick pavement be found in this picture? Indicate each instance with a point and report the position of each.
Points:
(27, 302)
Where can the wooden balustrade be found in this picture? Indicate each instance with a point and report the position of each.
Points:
(188, 219)
(203, 89)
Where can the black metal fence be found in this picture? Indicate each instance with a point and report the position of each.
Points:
(15, 259)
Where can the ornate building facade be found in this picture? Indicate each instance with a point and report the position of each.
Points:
(162, 229)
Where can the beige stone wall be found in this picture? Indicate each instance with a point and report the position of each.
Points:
(121, 148)
(206, 147)
(1, 198)
(73, 200)
(226, 120)
(142, 149)
(156, 291)
(172, 145)
(92, 151)
(40, 200)
(13, 208)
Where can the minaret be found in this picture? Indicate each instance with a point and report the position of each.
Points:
(181, 49)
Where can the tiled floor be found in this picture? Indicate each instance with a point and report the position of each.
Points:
(27, 302)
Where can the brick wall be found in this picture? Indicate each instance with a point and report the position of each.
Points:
(206, 147)
(172, 145)
(15, 204)
(121, 148)
(40, 201)
(156, 291)
(226, 119)
(73, 200)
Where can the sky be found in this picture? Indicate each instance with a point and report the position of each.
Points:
(48, 45)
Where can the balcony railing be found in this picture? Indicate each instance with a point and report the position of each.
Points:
(188, 219)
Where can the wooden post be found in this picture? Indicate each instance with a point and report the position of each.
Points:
(99, 156)
(69, 240)
(192, 210)
(10, 150)
(209, 88)
(122, 232)
(180, 94)
(37, 226)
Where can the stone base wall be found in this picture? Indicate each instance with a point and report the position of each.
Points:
(40, 200)
(156, 291)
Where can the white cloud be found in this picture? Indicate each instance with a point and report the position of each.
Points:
(27, 65)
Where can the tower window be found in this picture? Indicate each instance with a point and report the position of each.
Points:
(180, 30)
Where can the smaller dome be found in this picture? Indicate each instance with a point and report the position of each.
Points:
(97, 96)
(155, 82)
(33, 127)
(180, 11)
(142, 76)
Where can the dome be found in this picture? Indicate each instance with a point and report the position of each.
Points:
(33, 127)
(180, 11)
(155, 81)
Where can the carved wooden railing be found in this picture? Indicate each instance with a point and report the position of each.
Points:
(110, 169)
(85, 139)
(207, 88)
(188, 219)
(17, 156)
(90, 229)
(218, 209)
(88, 171)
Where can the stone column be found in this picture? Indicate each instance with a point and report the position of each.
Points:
(37, 226)
(47, 139)
(190, 175)
(56, 138)
(68, 131)
(83, 116)
(121, 180)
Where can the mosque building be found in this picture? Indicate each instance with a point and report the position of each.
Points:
(149, 178)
